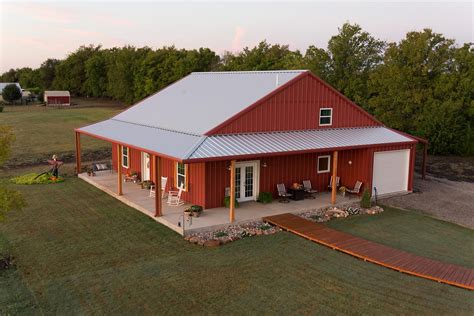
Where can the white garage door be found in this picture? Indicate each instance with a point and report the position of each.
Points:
(391, 171)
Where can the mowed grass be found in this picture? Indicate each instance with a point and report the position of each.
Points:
(79, 250)
(414, 232)
(42, 131)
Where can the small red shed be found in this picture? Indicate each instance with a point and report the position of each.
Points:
(57, 98)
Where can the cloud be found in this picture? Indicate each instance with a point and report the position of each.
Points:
(237, 40)
(41, 11)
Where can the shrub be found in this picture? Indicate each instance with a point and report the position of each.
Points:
(1, 109)
(32, 178)
(365, 200)
(221, 234)
(265, 226)
(227, 202)
(265, 197)
(11, 93)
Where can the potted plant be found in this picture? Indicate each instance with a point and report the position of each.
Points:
(147, 184)
(265, 197)
(343, 190)
(90, 172)
(194, 210)
(227, 202)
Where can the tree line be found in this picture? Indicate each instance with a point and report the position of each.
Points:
(422, 85)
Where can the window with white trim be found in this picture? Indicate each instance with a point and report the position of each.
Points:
(325, 117)
(181, 175)
(324, 164)
(125, 160)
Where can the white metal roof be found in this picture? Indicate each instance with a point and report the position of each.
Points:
(4, 84)
(277, 142)
(188, 146)
(157, 140)
(203, 100)
(57, 93)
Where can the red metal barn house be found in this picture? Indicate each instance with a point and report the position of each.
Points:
(57, 98)
(258, 128)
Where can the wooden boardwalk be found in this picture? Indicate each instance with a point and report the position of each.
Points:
(376, 253)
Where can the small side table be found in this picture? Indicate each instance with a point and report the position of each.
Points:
(297, 195)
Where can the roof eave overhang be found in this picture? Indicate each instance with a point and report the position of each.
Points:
(110, 140)
(295, 152)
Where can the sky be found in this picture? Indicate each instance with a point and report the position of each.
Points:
(31, 32)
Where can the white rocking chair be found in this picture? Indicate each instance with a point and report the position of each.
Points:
(174, 197)
(164, 180)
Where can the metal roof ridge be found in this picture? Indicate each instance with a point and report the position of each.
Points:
(156, 127)
(300, 130)
(246, 72)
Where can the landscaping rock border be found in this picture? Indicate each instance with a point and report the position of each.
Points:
(327, 213)
(232, 233)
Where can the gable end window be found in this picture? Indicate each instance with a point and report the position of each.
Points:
(324, 164)
(182, 175)
(325, 117)
(125, 159)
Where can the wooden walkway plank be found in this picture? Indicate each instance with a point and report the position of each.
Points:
(376, 253)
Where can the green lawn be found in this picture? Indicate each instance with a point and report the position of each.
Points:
(414, 232)
(42, 131)
(80, 251)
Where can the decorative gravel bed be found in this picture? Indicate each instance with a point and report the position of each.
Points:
(256, 228)
(326, 214)
(232, 233)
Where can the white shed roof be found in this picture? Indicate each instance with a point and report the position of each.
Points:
(203, 100)
(57, 93)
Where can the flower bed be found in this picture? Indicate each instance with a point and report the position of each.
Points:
(32, 178)
(326, 214)
(232, 233)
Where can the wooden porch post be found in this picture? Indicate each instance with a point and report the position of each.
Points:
(78, 152)
(232, 191)
(334, 176)
(158, 205)
(119, 169)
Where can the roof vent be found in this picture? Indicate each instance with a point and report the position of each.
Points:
(276, 81)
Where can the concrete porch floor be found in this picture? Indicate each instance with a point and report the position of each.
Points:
(210, 219)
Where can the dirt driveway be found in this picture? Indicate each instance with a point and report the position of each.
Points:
(441, 198)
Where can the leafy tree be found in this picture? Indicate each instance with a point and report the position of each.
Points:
(318, 61)
(96, 75)
(11, 93)
(47, 73)
(264, 56)
(9, 76)
(424, 87)
(353, 55)
(71, 73)
(9, 199)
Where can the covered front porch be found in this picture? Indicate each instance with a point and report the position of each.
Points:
(210, 219)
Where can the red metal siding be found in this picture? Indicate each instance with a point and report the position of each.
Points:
(196, 174)
(134, 160)
(296, 168)
(59, 100)
(297, 108)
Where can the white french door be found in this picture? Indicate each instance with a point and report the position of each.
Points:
(247, 180)
(145, 166)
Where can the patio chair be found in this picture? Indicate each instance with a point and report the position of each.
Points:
(283, 194)
(164, 180)
(338, 181)
(308, 189)
(174, 197)
(356, 189)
